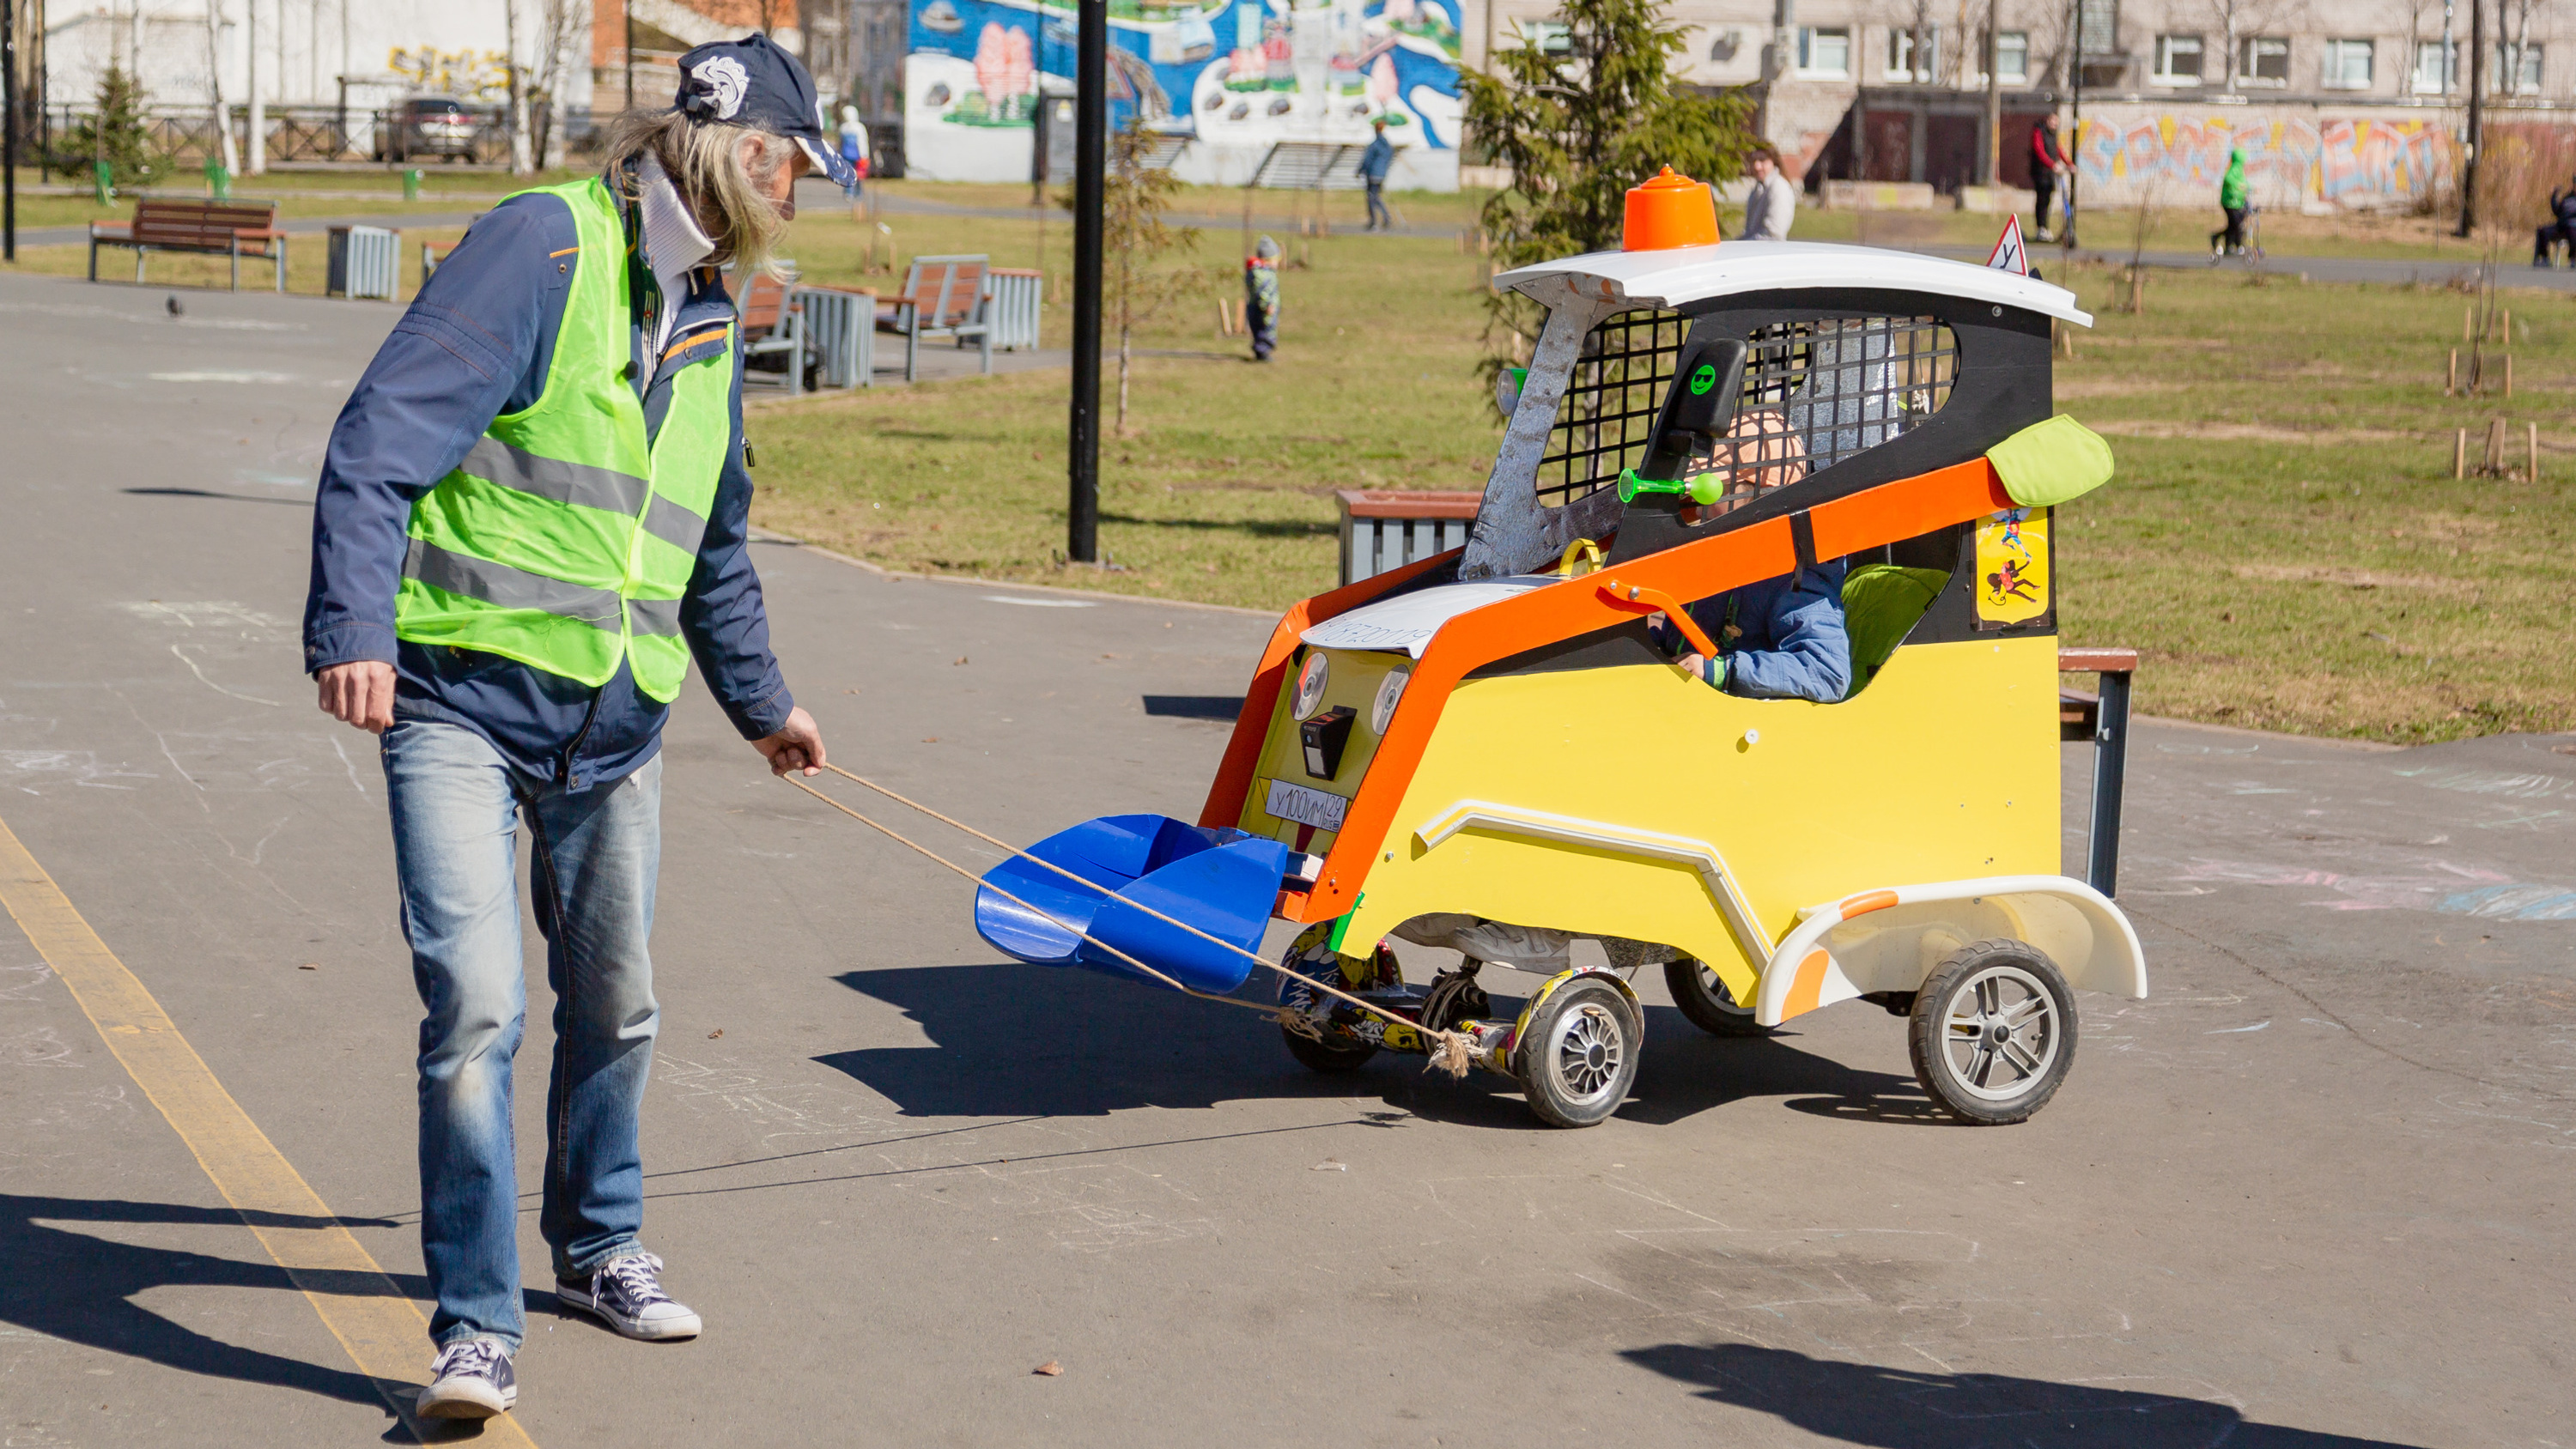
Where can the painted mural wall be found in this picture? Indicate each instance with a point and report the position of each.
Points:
(1234, 77)
(2294, 157)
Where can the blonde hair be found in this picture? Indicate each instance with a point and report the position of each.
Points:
(705, 160)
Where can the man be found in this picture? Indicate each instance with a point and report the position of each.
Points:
(1772, 202)
(2047, 163)
(2561, 230)
(1373, 167)
(531, 516)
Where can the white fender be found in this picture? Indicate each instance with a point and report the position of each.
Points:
(1891, 939)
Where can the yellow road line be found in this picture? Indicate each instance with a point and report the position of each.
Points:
(382, 1329)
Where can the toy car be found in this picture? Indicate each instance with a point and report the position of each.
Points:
(1494, 736)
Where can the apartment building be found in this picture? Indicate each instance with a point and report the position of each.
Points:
(2339, 103)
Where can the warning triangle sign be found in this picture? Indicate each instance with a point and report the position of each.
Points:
(2009, 255)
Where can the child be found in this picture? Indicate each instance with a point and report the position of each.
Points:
(1782, 638)
(2229, 240)
(1261, 298)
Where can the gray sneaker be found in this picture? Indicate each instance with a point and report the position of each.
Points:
(626, 1294)
(471, 1379)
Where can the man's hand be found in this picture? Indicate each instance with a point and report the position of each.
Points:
(798, 745)
(361, 694)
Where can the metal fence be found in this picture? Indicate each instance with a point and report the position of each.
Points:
(320, 134)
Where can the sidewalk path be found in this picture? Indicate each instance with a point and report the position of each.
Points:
(2314, 1187)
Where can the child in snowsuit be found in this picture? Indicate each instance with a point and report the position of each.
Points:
(1261, 298)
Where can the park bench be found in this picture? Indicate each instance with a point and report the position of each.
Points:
(232, 229)
(941, 297)
(773, 322)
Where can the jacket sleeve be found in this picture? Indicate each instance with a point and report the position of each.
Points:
(726, 622)
(449, 368)
(1811, 653)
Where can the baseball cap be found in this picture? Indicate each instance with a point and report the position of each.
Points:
(751, 82)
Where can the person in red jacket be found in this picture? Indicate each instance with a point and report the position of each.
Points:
(2047, 164)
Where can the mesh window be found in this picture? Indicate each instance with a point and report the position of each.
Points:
(1816, 393)
(1603, 423)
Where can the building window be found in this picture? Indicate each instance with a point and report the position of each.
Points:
(2517, 69)
(2178, 60)
(1547, 37)
(2012, 57)
(1824, 50)
(2347, 65)
(2431, 76)
(1903, 64)
(2101, 22)
(2263, 60)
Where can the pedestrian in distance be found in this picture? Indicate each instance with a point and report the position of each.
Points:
(854, 151)
(531, 517)
(1261, 298)
(2047, 165)
(2561, 230)
(1373, 168)
(2229, 240)
(1773, 200)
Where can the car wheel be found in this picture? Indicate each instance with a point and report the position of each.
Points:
(1705, 1001)
(1326, 1056)
(1578, 1056)
(1993, 1032)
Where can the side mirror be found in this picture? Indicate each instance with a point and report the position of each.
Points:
(1708, 381)
(1507, 388)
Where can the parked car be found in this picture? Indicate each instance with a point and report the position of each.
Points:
(444, 127)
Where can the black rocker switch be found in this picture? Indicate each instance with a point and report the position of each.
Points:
(1323, 737)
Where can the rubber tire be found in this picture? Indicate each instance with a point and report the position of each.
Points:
(1714, 1012)
(1325, 1056)
(1546, 1098)
(1932, 1005)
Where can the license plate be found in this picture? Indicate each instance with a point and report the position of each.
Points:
(1318, 808)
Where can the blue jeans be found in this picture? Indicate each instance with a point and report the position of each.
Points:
(456, 813)
(1377, 212)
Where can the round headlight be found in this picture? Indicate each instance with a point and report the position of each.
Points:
(1310, 684)
(1389, 690)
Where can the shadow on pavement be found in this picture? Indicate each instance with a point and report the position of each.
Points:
(1013, 1040)
(209, 493)
(1686, 1072)
(1904, 1409)
(80, 1289)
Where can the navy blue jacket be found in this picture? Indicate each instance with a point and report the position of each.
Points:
(476, 343)
(1377, 158)
(1784, 638)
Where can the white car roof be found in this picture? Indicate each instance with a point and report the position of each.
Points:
(1678, 276)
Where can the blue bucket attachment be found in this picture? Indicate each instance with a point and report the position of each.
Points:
(1223, 882)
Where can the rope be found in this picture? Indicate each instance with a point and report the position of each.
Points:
(1451, 1051)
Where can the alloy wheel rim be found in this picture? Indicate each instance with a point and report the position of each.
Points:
(2000, 1033)
(1587, 1053)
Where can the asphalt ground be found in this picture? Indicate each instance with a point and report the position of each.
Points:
(2314, 1191)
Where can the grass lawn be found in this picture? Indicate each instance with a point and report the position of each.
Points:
(2284, 540)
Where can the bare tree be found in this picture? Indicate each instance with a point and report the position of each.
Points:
(2241, 20)
(514, 119)
(214, 83)
(559, 26)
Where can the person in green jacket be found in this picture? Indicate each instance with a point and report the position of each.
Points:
(2231, 199)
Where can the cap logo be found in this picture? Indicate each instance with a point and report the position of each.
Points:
(724, 77)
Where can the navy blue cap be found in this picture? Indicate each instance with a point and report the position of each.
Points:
(751, 82)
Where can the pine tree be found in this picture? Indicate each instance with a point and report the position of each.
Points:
(114, 133)
(1580, 126)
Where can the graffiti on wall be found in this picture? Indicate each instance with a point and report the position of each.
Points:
(2347, 160)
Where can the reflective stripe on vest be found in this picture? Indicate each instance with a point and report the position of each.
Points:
(564, 539)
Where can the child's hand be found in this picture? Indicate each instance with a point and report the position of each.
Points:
(1711, 672)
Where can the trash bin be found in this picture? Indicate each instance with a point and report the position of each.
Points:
(364, 262)
(1387, 528)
